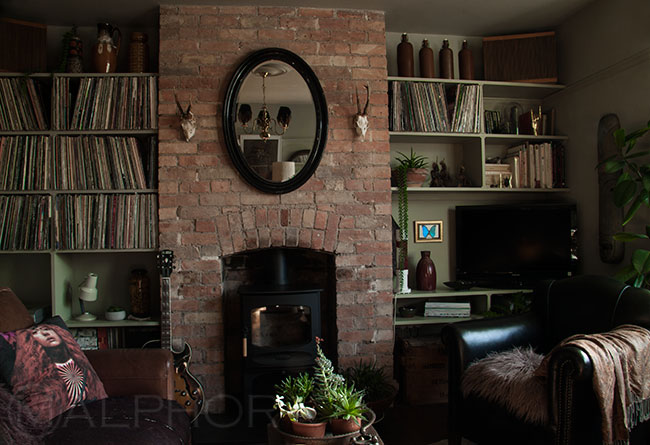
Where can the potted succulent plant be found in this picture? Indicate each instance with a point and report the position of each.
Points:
(306, 402)
(414, 166)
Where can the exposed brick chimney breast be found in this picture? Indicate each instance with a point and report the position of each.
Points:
(207, 211)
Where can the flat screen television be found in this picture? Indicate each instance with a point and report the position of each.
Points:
(506, 246)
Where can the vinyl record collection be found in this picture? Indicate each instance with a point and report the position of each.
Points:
(25, 222)
(434, 107)
(20, 105)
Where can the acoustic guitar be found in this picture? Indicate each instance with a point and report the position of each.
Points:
(188, 391)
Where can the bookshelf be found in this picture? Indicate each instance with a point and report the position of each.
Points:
(444, 119)
(78, 189)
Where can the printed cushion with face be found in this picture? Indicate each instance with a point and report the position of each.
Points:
(44, 367)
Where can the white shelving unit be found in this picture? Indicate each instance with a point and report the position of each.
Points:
(480, 299)
(51, 276)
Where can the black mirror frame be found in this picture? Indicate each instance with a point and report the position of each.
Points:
(230, 116)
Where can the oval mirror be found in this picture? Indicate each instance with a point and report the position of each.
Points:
(275, 120)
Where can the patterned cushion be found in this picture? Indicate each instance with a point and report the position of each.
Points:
(45, 368)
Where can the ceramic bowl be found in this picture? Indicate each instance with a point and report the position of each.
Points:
(115, 316)
(407, 312)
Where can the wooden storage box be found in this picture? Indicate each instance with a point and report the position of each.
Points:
(423, 370)
(23, 46)
(521, 57)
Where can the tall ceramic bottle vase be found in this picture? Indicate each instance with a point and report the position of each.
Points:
(426, 60)
(465, 63)
(425, 273)
(405, 57)
(446, 61)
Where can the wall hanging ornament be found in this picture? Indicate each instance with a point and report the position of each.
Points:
(188, 121)
(405, 57)
(426, 60)
(361, 118)
(446, 56)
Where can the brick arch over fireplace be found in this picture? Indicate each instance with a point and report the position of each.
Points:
(207, 211)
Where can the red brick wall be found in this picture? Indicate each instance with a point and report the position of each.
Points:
(206, 209)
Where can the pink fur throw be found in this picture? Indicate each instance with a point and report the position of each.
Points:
(508, 379)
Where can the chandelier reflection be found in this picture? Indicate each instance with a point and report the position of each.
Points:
(264, 124)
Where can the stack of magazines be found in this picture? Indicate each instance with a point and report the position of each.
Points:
(447, 309)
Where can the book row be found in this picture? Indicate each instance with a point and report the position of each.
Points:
(106, 222)
(21, 106)
(537, 165)
(36, 162)
(434, 107)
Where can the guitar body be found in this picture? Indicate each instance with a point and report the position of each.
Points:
(188, 391)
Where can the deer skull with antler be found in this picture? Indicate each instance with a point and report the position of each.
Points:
(188, 121)
(361, 118)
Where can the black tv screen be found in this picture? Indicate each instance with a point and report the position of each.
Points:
(515, 245)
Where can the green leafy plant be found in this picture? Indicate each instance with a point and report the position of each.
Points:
(632, 190)
(348, 404)
(412, 160)
(291, 395)
(370, 378)
(114, 309)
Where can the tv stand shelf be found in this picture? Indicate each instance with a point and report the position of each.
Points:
(480, 298)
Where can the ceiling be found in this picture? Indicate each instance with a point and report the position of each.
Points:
(457, 17)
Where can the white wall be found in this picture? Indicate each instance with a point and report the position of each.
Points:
(604, 59)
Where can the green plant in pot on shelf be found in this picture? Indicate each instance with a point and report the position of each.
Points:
(632, 191)
(414, 166)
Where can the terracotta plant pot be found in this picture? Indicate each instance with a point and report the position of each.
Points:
(415, 177)
(309, 429)
(344, 426)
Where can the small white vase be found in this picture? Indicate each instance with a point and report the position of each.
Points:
(403, 282)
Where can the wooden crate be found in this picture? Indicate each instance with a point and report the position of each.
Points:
(23, 46)
(423, 370)
(521, 57)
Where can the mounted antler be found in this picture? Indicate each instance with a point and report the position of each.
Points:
(188, 121)
(361, 118)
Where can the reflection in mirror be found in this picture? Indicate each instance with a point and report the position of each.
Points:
(275, 120)
(275, 147)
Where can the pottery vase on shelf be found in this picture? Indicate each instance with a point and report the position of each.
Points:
(426, 60)
(138, 53)
(139, 292)
(74, 62)
(106, 50)
(425, 272)
(403, 281)
(405, 57)
(465, 63)
(446, 56)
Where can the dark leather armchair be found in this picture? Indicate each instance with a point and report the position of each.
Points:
(578, 305)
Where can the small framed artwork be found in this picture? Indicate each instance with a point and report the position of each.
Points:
(428, 231)
(261, 154)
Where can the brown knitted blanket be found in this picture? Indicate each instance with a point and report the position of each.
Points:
(621, 360)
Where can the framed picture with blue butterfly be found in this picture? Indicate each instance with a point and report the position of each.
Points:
(428, 231)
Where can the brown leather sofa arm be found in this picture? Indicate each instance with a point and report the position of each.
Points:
(135, 371)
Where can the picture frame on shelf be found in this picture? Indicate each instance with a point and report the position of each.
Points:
(427, 231)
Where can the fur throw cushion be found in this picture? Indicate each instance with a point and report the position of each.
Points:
(508, 379)
(44, 367)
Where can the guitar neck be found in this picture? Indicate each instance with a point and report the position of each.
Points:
(165, 316)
